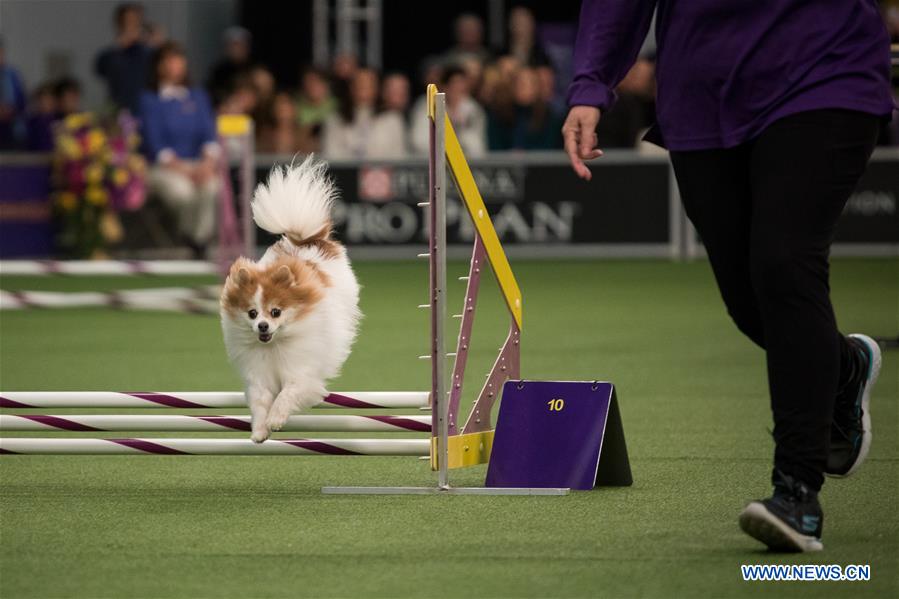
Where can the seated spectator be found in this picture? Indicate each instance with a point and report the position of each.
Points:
(67, 93)
(431, 71)
(474, 70)
(41, 116)
(468, 31)
(12, 105)
(179, 134)
(498, 81)
(232, 67)
(358, 131)
(125, 64)
(278, 131)
(529, 122)
(314, 104)
(263, 83)
(467, 116)
(155, 35)
(523, 43)
(395, 93)
(343, 69)
(546, 77)
(242, 99)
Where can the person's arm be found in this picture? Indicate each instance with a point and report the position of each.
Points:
(211, 149)
(100, 64)
(609, 37)
(610, 34)
(151, 130)
(204, 168)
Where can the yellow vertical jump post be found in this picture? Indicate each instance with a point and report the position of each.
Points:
(473, 445)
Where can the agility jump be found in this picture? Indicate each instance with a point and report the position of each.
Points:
(451, 443)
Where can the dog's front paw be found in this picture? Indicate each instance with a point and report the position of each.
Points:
(277, 418)
(260, 434)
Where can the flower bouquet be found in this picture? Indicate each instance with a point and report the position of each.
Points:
(97, 172)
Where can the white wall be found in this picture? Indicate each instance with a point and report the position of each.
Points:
(49, 38)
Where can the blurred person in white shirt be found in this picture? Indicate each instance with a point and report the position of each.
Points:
(467, 116)
(358, 130)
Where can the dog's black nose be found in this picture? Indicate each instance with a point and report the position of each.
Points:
(263, 327)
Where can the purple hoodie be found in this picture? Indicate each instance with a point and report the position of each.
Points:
(726, 69)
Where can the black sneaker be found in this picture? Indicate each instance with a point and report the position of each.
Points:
(791, 520)
(850, 431)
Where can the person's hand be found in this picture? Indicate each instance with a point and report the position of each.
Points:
(579, 132)
(179, 166)
(204, 171)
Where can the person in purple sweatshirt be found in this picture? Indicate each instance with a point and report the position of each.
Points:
(178, 127)
(770, 111)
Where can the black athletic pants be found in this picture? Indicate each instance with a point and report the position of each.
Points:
(766, 211)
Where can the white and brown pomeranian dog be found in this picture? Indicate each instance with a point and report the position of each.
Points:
(290, 318)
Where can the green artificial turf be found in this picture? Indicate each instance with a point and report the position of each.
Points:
(695, 410)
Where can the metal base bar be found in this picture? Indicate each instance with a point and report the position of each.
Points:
(444, 491)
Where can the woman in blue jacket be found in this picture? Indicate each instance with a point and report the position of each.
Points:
(179, 136)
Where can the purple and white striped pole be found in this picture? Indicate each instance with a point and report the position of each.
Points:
(164, 446)
(167, 423)
(201, 300)
(199, 399)
(106, 267)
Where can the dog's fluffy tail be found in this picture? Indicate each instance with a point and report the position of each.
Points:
(296, 201)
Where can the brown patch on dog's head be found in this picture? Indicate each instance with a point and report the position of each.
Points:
(240, 286)
(292, 286)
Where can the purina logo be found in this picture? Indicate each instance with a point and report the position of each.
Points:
(381, 184)
(376, 184)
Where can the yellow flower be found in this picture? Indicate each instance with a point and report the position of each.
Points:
(93, 174)
(120, 177)
(137, 163)
(67, 200)
(96, 139)
(96, 195)
(68, 147)
(77, 120)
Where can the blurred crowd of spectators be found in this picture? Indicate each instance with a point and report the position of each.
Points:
(498, 98)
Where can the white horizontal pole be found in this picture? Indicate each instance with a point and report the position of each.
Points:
(166, 446)
(106, 267)
(221, 424)
(199, 399)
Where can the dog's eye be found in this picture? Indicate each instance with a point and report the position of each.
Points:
(276, 312)
(253, 314)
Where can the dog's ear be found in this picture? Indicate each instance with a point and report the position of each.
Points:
(241, 273)
(283, 276)
(242, 276)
